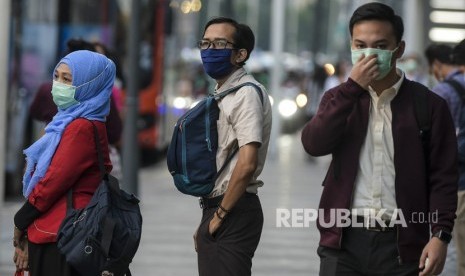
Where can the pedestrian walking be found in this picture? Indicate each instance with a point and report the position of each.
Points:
(232, 218)
(458, 54)
(382, 171)
(63, 159)
(442, 67)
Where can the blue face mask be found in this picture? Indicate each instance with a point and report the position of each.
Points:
(63, 95)
(217, 62)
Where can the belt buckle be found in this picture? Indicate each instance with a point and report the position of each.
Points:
(368, 224)
(376, 226)
(201, 203)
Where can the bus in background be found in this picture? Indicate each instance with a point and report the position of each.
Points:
(40, 29)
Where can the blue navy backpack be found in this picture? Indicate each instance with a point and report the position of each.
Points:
(191, 154)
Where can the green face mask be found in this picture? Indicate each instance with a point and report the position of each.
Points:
(384, 59)
(63, 95)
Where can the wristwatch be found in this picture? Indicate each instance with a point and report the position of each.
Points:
(443, 236)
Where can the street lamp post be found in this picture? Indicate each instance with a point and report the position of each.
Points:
(130, 146)
(277, 38)
(4, 36)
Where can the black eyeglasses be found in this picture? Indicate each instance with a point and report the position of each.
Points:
(217, 44)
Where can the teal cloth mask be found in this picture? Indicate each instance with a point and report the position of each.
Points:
(63, 95)
(384, 59)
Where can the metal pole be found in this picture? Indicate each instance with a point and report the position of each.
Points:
(213, 8)
(4, 36)
(414, 27)
(253, 18)
(277, 38)
(130, 145)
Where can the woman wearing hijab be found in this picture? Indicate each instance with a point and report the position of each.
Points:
(64, 159)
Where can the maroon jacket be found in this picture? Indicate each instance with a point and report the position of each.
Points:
(339, 128)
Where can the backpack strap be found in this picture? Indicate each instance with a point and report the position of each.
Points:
(223, 94)
(228, 159)
(113, 185)
(69, 199)
(423, 120)
(458, 88)
(107, 235)
(99, 150)
(421, 113)
(108, 224)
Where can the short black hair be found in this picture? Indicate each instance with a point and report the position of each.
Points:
(243, 37)
(458, 53)
(440, 52)
(378, 11)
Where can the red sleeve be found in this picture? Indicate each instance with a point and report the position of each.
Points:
(74, 155)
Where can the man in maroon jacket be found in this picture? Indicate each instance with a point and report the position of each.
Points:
(401, 196)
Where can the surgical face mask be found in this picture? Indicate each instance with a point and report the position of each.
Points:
(384, 59)
(63, 95)
(217, 62)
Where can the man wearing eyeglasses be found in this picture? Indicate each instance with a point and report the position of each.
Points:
(232, 219)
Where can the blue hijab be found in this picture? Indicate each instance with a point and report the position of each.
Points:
(93, 74)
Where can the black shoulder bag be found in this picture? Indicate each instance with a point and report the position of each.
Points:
(102, 238)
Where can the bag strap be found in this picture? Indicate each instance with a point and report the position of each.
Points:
(223, 94)
(69, 199)
(228, 159)
(107, 235)
(423, 120)
(99, 151)
(421, 113)
(458, 88)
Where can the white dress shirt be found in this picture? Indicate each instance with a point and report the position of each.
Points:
(375, 182)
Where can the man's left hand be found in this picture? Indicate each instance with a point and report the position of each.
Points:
(215, 223)
(435, 251)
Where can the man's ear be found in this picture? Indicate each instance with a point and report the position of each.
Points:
(241, 55)
(401, 50)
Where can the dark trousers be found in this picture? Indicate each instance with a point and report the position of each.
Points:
(46, 260)
(367, 253)
(230, 250)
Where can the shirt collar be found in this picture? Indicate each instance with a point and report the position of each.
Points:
(231, 81)
(452, 74)
(392, 91)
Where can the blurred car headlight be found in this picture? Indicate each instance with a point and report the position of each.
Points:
(301, 100)
(181, 102)
(287, 108)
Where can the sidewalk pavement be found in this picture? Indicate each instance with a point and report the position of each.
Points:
(170, 219)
